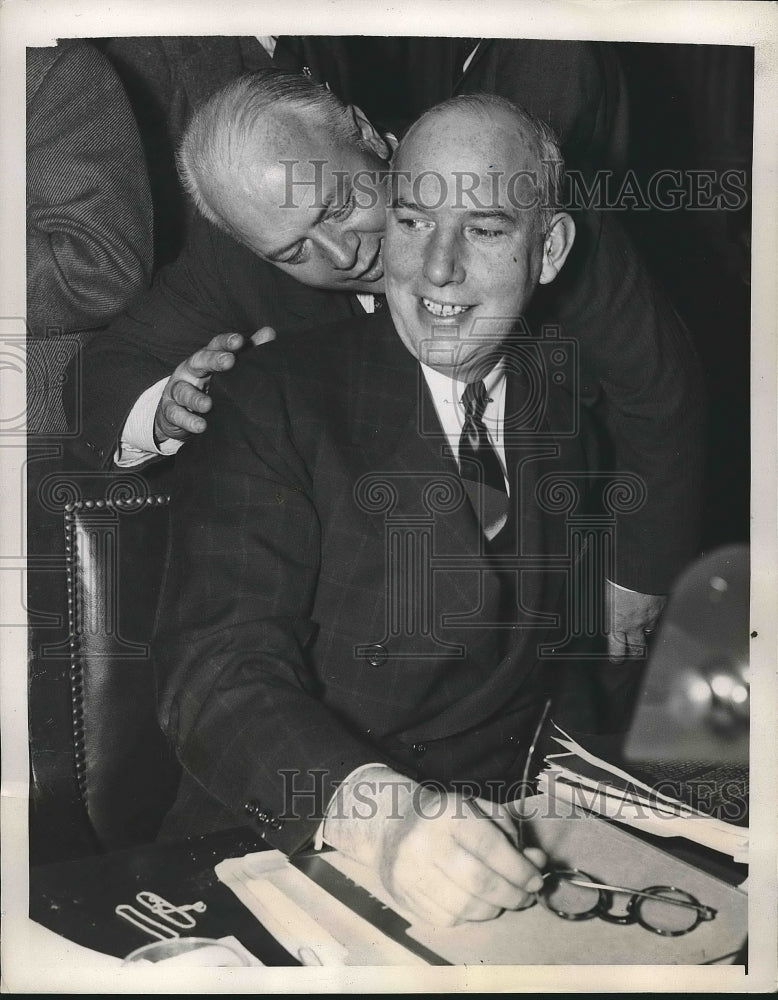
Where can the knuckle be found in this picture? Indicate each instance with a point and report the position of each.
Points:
(473, 876)
(482, 837)
(485, 882)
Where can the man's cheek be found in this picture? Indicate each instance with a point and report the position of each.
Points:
(399, 267)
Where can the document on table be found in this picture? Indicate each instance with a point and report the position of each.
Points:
(580, 777)
(304, 915)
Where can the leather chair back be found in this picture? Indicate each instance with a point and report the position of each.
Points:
(127, 774)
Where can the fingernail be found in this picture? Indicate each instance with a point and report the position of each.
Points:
(535, 884)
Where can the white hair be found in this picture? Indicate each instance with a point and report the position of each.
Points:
(222, 125)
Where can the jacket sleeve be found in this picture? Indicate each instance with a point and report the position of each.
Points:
(189, 303)
(215, 286)
(637, 354)
(89, 218)
(238, 698)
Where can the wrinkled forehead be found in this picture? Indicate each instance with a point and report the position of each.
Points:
(286, 161)
(458, 159)
(294, 136)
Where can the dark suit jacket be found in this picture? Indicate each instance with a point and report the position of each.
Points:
(285, 643)
(637, 359)
(578, 88)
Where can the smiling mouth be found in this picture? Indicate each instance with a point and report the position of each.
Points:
(443, 310)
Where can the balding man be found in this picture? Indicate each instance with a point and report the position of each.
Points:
(310, 671)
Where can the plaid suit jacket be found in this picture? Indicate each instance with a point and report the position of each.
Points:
(327, 600)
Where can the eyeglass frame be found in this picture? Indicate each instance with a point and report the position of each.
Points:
(633, 913)
(604, 902)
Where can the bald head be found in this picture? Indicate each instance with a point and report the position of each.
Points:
(486, 123)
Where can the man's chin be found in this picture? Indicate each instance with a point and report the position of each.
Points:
(352, 286)
(362, 287)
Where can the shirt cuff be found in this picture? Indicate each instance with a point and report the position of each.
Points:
(318, 840)
(137, 444)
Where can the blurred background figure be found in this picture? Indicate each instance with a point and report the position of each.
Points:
(89, 220)
(89, 229)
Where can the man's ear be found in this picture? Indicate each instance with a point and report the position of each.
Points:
(556, 246)
(370, 136)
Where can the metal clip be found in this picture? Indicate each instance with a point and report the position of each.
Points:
(176, 915)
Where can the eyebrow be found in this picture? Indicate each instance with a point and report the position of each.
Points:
(496, 214)
(274, 254)
(401, 202)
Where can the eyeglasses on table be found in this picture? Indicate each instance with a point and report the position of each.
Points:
(573, 894)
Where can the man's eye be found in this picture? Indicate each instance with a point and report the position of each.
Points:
(296, 257)
(344, 210)
(486, 233)
(414, 224)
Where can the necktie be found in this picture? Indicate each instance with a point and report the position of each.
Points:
(379, 303)
(479, 465)
(478, 460)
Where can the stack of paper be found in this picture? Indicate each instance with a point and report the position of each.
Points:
(579, 777)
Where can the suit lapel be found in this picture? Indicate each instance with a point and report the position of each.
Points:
(398, 436)
(406, 485)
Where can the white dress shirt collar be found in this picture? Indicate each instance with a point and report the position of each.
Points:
(446, 394)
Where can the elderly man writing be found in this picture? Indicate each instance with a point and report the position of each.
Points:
(289, 692)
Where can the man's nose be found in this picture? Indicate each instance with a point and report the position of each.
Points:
(340, 247)
(443, 262)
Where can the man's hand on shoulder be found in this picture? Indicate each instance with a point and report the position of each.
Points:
(443, 857)
(185, 397)
(631, 616)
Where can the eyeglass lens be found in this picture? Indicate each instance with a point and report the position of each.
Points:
(568, 900)
(661, 916)
(661, 909)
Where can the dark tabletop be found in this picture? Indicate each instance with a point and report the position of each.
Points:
(77, 899)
